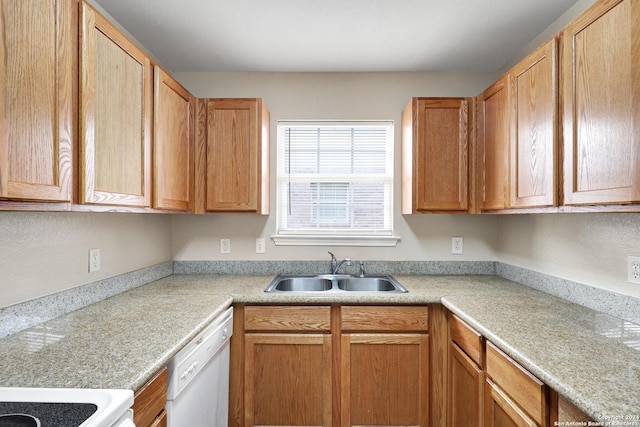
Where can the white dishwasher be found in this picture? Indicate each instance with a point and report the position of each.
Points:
(198, 383)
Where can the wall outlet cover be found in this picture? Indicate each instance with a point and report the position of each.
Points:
(457, 245)
(260, 245)
(94, 260)
(633, 269)
(225, 246)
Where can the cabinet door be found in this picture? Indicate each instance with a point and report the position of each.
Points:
(172, 143)
(601, 83)
(288, 380)
(115, 116)
(436, 154)
(466, 383)
(501, 411)
(534, 129)
(493, 146)
(236, 156)
(385, 379)
(38, 70)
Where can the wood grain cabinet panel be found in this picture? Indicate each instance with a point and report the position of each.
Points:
(384, 318)
(493, 146)
(435, 158)
(384, 365)
(233, 156)
(466, 384)
(513, 392)
(174, 113)
(38, 71)
(469, 340)
(465, 376)
(149, 401)
(534, 142)
(288, 366)
(563, 412)
(115, 116)
(288, 379)
(287, 318)
(385, 379)
(601, 96)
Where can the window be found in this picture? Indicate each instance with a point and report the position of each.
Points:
(335, 183)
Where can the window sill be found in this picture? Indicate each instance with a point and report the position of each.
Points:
(311, 240)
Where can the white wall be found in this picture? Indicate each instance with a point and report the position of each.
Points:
(292, 96)
(590, 248)
(44, 253)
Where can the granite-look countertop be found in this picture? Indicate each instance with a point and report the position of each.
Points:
(589, 357)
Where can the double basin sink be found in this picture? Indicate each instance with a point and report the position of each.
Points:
(334, 283)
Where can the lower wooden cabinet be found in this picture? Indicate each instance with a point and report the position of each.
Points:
(330, 366)
(513, 397)
(385, 366)
(288, 366)
(563, 412)
(149, 401)
(466, 376)
(288, 379)
(376, 365)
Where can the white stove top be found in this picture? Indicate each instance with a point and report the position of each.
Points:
(110, 405)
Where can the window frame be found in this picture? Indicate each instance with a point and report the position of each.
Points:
(335, 237)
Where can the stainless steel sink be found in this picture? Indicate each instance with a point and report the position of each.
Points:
(334, 283)
(367, 284)
(303, 284)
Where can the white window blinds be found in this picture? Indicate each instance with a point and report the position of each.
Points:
(335, 178)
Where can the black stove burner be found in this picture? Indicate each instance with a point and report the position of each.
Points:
(18, 420)
(49, 414)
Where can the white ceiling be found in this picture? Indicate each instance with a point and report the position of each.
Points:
(334, 35)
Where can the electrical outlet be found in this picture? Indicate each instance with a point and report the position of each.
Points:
(457, 245)
(633, 269)
(225, 246)
(94, 260)
(260, 245)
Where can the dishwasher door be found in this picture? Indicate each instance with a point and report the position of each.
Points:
(198, 390)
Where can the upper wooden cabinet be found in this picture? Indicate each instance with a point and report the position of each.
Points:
(493, 146)
(38, 71)
(534, 129)
(172, 144)
(115, 116)
(232, 165)
(601, 114)
(435, 155)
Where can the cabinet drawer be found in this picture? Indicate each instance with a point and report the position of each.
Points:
(149, 401)
(525, 389)
(380, 318)
(287, 318)
(466, 338)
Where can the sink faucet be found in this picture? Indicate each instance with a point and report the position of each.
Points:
(335, 264)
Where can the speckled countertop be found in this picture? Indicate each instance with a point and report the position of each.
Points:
(591, 358)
